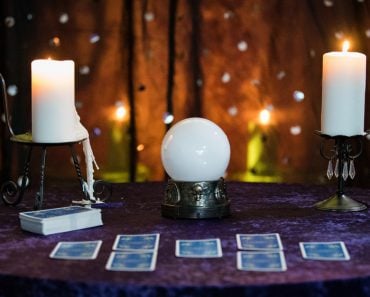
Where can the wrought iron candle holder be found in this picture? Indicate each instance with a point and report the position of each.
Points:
(341, 165)
(12, 192)
(196, 200)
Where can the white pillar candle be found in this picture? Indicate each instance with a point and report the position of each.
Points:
(343, 93)
(53, 101)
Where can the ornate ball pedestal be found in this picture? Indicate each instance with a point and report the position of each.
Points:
(196, 200)
(343, 155)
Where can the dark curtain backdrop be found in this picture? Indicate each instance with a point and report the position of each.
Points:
(225, 60)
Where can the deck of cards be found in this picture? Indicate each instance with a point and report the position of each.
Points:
(58, 220)
(260, 252)
(134, 253)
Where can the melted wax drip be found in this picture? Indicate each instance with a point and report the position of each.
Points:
(90, 162)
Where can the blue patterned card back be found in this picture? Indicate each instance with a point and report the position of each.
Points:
(202, 248)
(270, 241)
(76, 250)
(132, 261)
(334, 251)
(136, 242)
(261, 261)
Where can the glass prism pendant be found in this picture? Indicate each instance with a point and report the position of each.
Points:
(329, 171)
(336, 170)
(352, 170)
(345, 170)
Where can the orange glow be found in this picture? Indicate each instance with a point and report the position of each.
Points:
(345, 46)
(264, 116)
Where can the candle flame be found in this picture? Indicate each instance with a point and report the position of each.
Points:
(345, 46)
(120, 113)
(264, 116)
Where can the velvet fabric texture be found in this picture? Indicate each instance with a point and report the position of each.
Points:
(27, 270)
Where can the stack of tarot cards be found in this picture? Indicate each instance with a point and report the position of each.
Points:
(57, 220)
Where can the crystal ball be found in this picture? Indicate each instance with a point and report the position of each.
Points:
(195, 149)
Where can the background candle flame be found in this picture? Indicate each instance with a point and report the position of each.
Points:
(120, 113)
(264, 116)
(345, 46)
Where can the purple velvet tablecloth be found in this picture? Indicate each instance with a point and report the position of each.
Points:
(27, 270)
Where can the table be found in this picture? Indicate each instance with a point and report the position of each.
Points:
(26, 269)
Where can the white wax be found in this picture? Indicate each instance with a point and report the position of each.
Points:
(343, 93)
(53, 101)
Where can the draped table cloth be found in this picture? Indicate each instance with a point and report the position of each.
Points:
(27, 270)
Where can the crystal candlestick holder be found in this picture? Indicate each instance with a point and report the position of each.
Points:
(341, 165)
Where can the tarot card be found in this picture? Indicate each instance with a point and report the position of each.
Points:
(331, 251)
(132, 261)
(76, 250)
(201, 248)
(261, 261)
(136, 242)
(270, 241)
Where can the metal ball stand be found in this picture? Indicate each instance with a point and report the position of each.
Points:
(196, 200)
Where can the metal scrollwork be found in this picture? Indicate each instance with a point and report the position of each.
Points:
(342, 156)
(11, 194)
(102, 190)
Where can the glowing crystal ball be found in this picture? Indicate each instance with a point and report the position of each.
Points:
(195, 149)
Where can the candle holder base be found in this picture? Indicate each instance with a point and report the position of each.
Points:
(340, 203)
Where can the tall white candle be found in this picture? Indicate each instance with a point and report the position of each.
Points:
(343, 93)
(53, 101)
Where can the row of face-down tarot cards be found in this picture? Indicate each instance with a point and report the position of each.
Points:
(257, 252)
